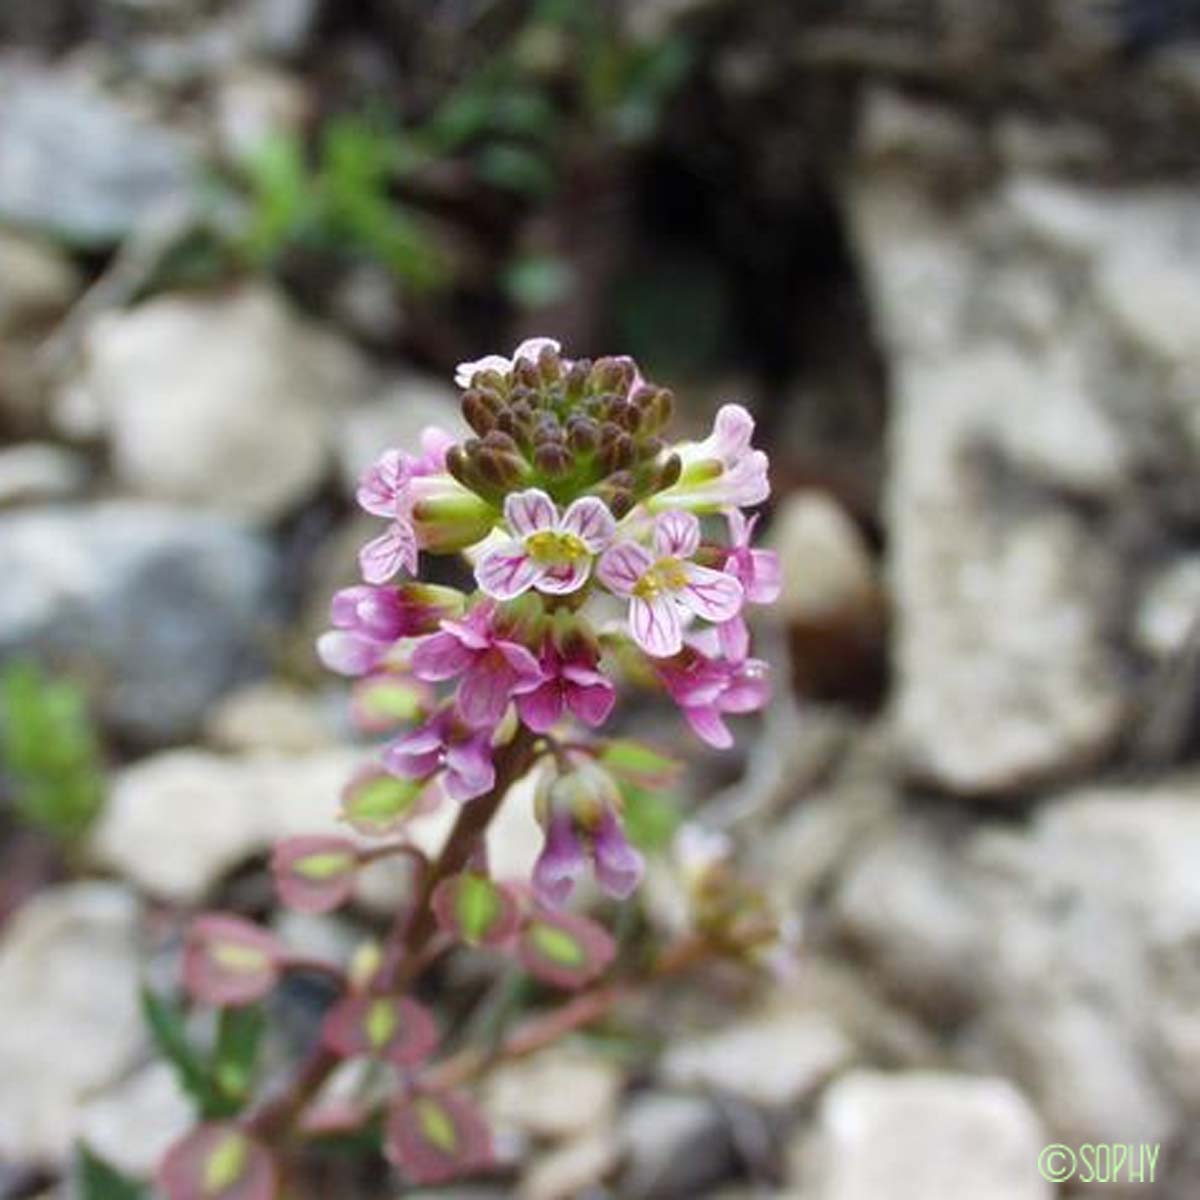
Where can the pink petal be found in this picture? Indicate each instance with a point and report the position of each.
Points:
(750, 688)
(735, 639)
(560, 863)
(383, 556)
(542, 708)
(676, 534)
(435, 443)
(710, 594)
(350, 653)
(706, 723)
(766, 577)
(592, 702)
(619, 867)
(470, 771)
(524, 665)
(741, 527)
(732, 432)
(485, 690)
(506, 571)
(529, 512)
(622, 565)
(441, 656)
(656, 626)
(564, 578)
(590, 521)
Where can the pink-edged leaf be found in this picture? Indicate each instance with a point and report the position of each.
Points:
(506, 571)
(314, 874)
(475, 909)
(530, 512)
(229, 961)
(676, 534)
(375, 802)
(656, 625)
(564, 949)
(218, 1161)
(590, 521)
(711, 594)
(437, 1136)
(393, 550)
(622, 565)
(383, 702)
(394, 1028)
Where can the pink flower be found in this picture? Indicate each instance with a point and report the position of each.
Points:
(550, 553)
(494, 669)
(707, 689)
(722, 472)
(528, 351)
(570, 683)
(383, 487)
(759, 574)
(369, 620)
(664, 586)
(441, 744)
(582, 823)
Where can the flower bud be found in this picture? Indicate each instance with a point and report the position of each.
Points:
(230, 962)
(218, 1161)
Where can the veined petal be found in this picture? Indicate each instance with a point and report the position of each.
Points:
(528, 512)
(564, 578)
(590, 521)
(382, 485)
(734, 639)
(506, 571)
(383, 556)
(622, 565)
(711, 594)
(441, 656)
(676, 534)
(656, 626)
(765, 580)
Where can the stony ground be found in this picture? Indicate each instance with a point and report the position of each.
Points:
(960, 259)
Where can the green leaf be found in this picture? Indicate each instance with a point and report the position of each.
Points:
(635, 762)
(650, 818)
(517, 169)
(166, 1023)
(97, 1180)
(239, 1036)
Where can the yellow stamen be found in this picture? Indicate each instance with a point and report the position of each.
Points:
(550, 547)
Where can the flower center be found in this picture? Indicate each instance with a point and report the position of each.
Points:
(550, 547)
(667, 575)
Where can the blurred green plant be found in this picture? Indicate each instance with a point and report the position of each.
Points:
(50, 755)
(96, 1179)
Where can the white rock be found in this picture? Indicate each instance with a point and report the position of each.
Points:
(132, 1124)
(774, 1060)
(39, 471)
(268, 716)
(225, 401)
(1155, 301)
(37, 283)
(571, 1170)
(69, 1017)
(555, 1094)
(927, 1136)
(1169, 609)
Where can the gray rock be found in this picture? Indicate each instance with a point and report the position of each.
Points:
(158, 608)
(396, 418)
(675, 1147)
(37, 283)
(775, 1059)
(225, 401)
(556, 1094)
(69, 1019)
(76, 164)
(923, 1136)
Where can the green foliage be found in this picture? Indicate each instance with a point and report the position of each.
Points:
(97, 1180)
(49, 752)
(219, 1082)
(651, 818)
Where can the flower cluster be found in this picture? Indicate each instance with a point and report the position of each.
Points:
(600, 554)
(593, 542)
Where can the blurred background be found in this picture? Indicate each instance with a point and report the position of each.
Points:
(948, 251)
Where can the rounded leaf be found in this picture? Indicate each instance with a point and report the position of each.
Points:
(314, 874)
(374, 802)
(563, 949)
(474, 909)
(219, 1161)
(435, 1137)
(229, 961)
(394, 1028)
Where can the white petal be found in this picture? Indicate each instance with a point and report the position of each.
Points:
(531, 349)
(564, 578)
(712, 595)
(465, 372)
(505, 571)
(676, 534)
(622, 566)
